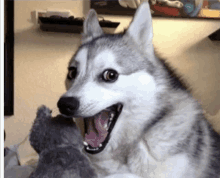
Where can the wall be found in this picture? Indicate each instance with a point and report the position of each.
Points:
(41, 61)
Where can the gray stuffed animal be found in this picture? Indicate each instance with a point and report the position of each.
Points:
(59, 145)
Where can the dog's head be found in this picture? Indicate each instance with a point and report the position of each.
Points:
(110, 77)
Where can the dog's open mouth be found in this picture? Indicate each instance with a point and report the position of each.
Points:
(98, 128)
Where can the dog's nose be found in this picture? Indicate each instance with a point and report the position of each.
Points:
(68, 105)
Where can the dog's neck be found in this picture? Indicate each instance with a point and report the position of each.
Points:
(164, 138)
(173, 128)
(160, 138)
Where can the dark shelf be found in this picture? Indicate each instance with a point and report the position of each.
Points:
(69, 25)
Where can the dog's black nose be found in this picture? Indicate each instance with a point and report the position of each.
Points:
(68, 105)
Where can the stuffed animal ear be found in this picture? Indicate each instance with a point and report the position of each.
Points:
(91, 27)
(140, 29)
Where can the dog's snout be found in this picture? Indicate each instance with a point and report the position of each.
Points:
(68, 105)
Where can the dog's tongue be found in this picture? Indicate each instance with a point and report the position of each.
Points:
(95, 136)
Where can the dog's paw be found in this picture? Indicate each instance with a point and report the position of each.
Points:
(43, 112)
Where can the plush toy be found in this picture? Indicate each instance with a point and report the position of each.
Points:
(59, 145)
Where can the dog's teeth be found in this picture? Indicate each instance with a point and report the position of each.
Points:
(85, 143)
(112, 115)
(106, 126)
(100, 145)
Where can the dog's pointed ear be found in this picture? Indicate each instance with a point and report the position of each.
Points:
(91, 27)
(140, 29)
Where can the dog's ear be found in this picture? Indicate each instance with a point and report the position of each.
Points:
(91, 27)
(140, 29)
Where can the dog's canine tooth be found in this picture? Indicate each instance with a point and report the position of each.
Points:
(100, 145)
(85, 143)
(112, 116)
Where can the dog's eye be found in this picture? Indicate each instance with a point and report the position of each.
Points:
(72, 73)
(110, 75)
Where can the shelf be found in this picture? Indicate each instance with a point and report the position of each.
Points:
(71, 25)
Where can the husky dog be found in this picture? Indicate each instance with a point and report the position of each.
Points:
(139, 117)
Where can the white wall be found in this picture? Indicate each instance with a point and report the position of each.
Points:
(41, 61)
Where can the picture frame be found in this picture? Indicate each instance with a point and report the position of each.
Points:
(194, 9)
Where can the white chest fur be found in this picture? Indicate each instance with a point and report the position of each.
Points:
(146, 166)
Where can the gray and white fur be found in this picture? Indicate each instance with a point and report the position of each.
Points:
(161, 131)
